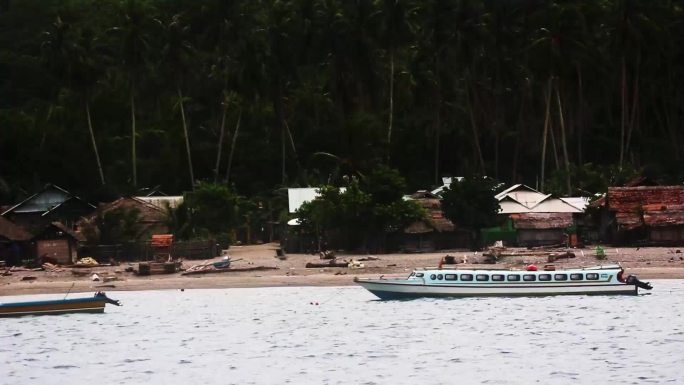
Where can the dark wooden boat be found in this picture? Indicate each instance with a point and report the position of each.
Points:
(94, 304)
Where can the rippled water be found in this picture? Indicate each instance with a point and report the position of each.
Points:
(281, 336)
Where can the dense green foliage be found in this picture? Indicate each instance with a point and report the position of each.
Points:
(471, 203)
(212, 210)
(364, 213)
(105, 97)
(113, 227)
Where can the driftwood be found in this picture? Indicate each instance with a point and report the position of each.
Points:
(332, 263)
(228, 270)
(555, 257)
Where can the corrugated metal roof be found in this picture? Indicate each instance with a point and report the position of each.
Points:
(580, 203)
(162, 201)
(524, 199)
(50, 197)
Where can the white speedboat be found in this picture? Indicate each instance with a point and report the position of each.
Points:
(444, 282)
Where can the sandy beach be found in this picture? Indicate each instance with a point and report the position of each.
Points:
(646, 263)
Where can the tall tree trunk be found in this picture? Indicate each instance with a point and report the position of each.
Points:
(552, 133)
(232, 146)
(580, 116)
(518, 136)
(133, 140)
(436, 129)
(476, 131)
(635, 104)
(391, 107)
(92, 140)
(300, 171)
(623, 115)
(220, 143)
(280, 116)
(546, 130)
(563, 140)
(187, 139)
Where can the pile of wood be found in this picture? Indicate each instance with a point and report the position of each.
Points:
(330, 263)
(148, 268)
(494, 255)
(47, 266)
(209, 268)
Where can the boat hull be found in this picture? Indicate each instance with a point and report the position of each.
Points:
(388, 289)
(79, 305)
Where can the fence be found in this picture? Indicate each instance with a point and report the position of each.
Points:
(143, 251)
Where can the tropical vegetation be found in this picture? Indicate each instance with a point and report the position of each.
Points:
(108, 97)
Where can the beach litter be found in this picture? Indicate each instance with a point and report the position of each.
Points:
(87, 261)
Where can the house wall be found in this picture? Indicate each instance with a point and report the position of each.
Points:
(533, 237)
(56, 249)
(667, 234)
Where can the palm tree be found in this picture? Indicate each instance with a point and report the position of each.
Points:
(176, 55)
(85, 71)
(395, 32)
(133, 46)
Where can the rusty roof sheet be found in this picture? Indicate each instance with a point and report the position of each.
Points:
(542, 221)
(646, 205)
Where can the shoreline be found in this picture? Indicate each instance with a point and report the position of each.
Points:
(646, 263)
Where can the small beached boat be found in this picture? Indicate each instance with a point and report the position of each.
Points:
(437, 282)
(94, 304)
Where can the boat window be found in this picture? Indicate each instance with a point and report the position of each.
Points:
(450, 277)
(529, 277)
(576, 277)
(560, 277)
(419, 275)
(482, 277)
(439, 276)
(514, 277)
(412, 274)
(466, 277)
(432, 277)
(544, 277)
(592, 276)
(497, 277)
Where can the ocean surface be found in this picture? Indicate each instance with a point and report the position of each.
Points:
(343, 335)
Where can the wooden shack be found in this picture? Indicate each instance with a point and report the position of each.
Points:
(57, 243)
(654, 214)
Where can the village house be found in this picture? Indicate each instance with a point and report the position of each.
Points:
(643, 214)
(51, 204)
(537, 218)
(151, 215)
(57, 244)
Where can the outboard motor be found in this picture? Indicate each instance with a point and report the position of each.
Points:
(633, 280)
(102, 295)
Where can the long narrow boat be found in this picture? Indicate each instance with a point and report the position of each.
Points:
(437, 282)
(94, 304)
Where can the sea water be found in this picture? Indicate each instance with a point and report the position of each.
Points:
(343, 335)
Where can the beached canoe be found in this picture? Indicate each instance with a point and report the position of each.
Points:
(94, 304)
(438, 282)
